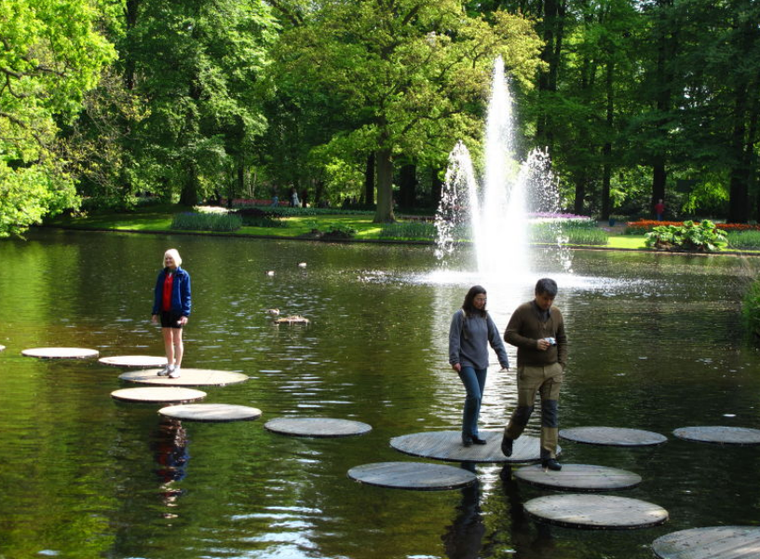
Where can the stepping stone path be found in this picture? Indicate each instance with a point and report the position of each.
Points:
(412, 475)
(720, 435)
(188, 377)
(612, 436)
(720, 542)
(595, 512)
(2, 347)
(143, 361)
(447, 446)
(579, 477)
(317, 427)
(211, 412)
(158, 395)
(60, 352)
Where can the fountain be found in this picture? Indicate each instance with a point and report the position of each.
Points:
(498, 213)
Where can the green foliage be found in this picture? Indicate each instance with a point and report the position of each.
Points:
(701, 237)
(570, 232)
(751, 308)
(193, 221)
(409, 230)
(744, 239)
(338, 231)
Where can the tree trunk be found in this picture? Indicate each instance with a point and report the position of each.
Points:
(607, 149)
(738, 207)
(384, 212)
(189, 194)
(369, 180)
(407, 185)
(580, 193)
(436, 186)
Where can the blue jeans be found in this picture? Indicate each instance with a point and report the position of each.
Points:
(474, 380)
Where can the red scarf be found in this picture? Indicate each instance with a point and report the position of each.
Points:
(168, 283)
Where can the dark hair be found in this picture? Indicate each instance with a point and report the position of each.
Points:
(546, 286)
(468, 306)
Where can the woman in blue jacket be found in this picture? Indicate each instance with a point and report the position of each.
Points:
(472, 331)
(171, 306)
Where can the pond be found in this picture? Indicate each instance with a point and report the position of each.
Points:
(656, 344)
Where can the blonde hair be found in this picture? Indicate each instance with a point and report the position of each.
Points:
(175, 255)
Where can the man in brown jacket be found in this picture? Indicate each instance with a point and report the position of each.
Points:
(538, 331)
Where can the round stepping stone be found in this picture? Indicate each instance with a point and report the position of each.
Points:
(158, 395)
(143, 361)
(60, 352)
(317, 427)
(720, 542)
(188, 377)
(612, 436)
(595, 512)
(2, 347)
(719, 435)
(579, 477)
(412, 475)
(447, 446)
(211, 412)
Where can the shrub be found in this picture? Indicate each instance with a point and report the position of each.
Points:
(338, 231)
(409, 230)
(751, 308)
(258, 217)
(701, 237)
(570, 232)
(192, 221)
(744, 239)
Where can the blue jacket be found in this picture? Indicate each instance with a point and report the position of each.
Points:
(180, 292)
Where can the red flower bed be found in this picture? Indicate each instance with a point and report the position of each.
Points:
(646, 225)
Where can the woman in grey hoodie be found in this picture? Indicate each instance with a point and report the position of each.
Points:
(472, 330)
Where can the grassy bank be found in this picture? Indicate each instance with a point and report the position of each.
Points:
(159, 218)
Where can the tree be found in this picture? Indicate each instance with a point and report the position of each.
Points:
(51, 56)
(408, 77)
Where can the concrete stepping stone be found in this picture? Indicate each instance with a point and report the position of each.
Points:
(188, 377)
(612, 436)
(317, 427)
(579, 477)
(60, 352)
(601, 512)
(140, 361)
(412, 475)
(211, 412)
(720, 435)
(158, 395)
(447, 446)
(719, 542)
(2, 347)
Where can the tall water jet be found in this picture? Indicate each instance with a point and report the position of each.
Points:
(499, 211)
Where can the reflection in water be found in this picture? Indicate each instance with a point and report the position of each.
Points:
(464, 537)
(169, 445)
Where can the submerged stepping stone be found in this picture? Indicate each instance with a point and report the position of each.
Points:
(317, 427)
(719, 435)
(595, 512)
(447, 446)
(188, 377)
(612, 436)
(719, 542)
(211, 412)
(579, 477)
(60, 352)
(143, 361)
(413, 475)
(158, 395)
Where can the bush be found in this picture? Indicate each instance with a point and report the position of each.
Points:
(409, 230)
(338, 231)
(571, 232)
(744, 239)
(192, 221)
(257, 217)
(702, 237)
(751, 308)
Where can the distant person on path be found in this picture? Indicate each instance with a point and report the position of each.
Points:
(469, 335)
(538, 331)
(171, 305)
(659, 209)
(294, 198)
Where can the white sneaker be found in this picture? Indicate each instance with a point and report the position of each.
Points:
(174, 373)
(165, 371)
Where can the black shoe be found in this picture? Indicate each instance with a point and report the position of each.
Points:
(506, 446)
(551, 464)
(478, 440)
(466, 440)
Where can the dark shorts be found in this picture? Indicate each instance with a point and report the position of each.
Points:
(170, 320)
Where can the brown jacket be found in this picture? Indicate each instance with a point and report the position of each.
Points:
(526, 327)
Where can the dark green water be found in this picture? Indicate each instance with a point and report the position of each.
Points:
(656, 344)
